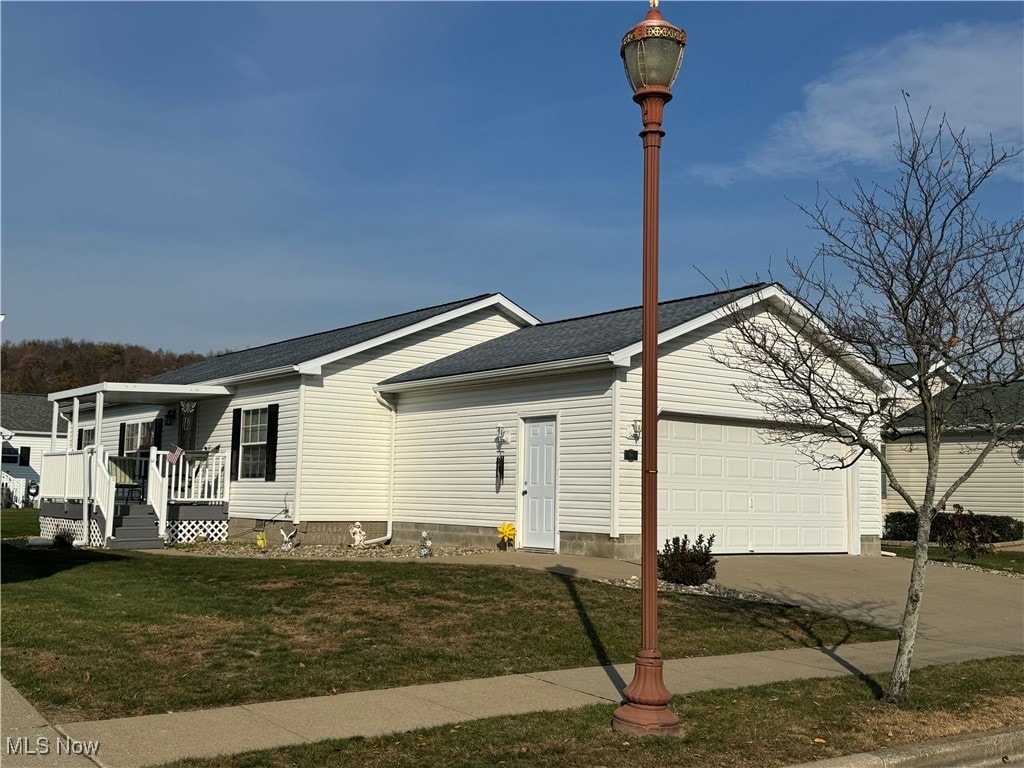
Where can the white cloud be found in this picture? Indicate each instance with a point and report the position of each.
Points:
(972, 73)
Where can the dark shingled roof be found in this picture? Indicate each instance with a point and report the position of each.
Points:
(302, 349)
(975, 404)
(26, 413)
(570, 339)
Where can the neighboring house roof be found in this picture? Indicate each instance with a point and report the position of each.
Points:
(314, 350)
(975, 405)
(576, 338)
(908, 372)
(26, 413)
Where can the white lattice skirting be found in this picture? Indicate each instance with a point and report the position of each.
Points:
(51, 526)
(185, 531)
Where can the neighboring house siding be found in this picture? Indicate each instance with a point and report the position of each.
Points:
(445, 451)
(257, 498)
(346, 462)
(996, 488)
(36, 445)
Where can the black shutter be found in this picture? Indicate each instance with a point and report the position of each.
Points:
(236, 441)
(271, 474)
(24, 456)
(120, 440)
(158, 433)
(81, 439)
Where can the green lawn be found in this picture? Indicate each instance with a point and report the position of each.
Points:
(95, 634)
(1002, 560)
(759, 727)
(17, 523)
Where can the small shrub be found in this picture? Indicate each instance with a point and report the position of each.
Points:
(681, 563)
(965, 533)
(902, 526)
(63, 539)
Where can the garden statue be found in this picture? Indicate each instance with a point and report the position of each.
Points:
(357, 533)
(426, 545)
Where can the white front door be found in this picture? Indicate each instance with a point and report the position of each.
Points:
(539, 485)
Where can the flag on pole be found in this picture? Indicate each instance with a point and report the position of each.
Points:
(175, 455)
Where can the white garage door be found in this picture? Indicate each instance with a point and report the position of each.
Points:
(721, 478)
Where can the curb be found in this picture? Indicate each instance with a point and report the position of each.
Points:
(1004, 746)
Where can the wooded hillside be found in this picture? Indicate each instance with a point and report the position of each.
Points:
(42, 366)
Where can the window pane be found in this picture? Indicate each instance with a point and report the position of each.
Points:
(253, 462)
(254, 426)
(10, 455)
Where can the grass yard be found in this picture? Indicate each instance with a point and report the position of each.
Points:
(93, 634)
(759, 727)
(1001, 560)
(18, 523)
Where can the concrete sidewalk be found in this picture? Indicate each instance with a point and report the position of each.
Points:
(966, 615)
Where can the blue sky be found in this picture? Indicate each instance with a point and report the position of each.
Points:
(218, 175)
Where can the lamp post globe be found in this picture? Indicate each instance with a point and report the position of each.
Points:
(652, 52)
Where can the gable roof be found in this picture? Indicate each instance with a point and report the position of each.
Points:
(317, 349)
(26, 413)
(576, 338)
(974, 405)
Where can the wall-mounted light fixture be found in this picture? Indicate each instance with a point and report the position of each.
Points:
(635, 431)
(501, 437)
(170, 417)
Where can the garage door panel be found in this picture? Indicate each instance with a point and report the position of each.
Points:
(711, 466)
(754, 496)
(683, 465)
(737, 538)
(711, 502)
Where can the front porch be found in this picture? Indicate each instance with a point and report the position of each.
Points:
(105, 500)
(138, 495)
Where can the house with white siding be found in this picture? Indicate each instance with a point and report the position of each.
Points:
(455, 419)
(997, 486)
(25, 427)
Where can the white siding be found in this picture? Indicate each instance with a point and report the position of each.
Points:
(37, 445)
(996, 488)
(256, 498)
(691, 383)
(114, 416)
(445, 451)
(346, 453)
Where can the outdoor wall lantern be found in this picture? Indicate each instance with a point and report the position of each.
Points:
(635, 430)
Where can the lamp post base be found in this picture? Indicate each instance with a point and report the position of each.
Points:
(645, 712)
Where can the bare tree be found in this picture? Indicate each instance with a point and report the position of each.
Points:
(918, 293)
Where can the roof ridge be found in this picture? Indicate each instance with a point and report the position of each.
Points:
(660, 304)
(463, 302)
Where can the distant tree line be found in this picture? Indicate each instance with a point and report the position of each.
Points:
(41, 366)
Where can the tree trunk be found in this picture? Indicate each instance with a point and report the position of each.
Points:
(898, 685)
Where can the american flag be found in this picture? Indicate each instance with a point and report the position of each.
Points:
(173, 456)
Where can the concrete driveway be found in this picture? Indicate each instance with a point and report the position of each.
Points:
(959, 607)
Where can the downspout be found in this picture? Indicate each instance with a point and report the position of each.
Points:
(391, 471)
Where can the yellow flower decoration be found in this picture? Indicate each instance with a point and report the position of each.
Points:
(507, 531)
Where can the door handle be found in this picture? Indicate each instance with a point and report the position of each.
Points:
(524, 492)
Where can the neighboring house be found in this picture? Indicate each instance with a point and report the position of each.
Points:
(25, 422)
(457, 418)
(995, 488)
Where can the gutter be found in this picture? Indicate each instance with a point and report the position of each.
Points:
(533, 369)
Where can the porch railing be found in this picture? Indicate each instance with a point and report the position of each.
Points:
(17, 486)
(157, 495)
(199, 477)
(104, 491)
(64, 474)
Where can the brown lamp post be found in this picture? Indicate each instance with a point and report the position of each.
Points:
(652, 52)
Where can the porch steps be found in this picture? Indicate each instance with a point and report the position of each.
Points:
(135, 527)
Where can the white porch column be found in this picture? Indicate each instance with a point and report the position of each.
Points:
(73, 426)
(97, 432)
(54, 423)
